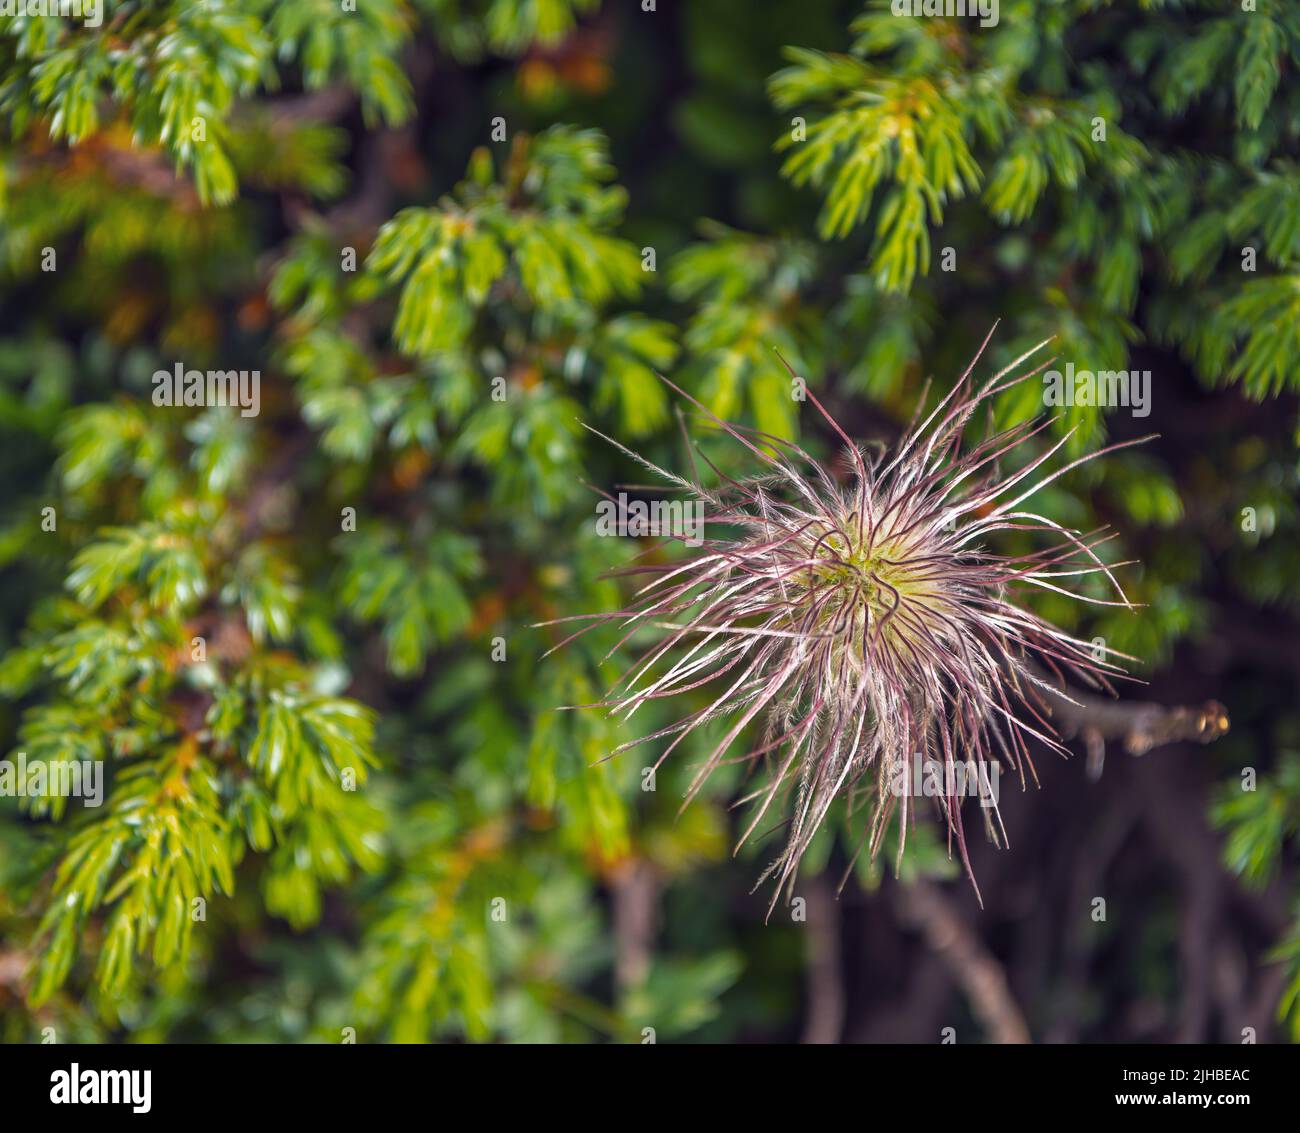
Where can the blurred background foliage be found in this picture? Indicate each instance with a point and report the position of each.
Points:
(448, 232)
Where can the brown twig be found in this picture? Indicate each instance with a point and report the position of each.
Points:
(635, 887)
(923, 905)
(825, 1021)
(1141, 725)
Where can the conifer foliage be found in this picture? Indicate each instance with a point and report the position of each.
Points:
(302, 615)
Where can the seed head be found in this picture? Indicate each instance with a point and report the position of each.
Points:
(864, 624)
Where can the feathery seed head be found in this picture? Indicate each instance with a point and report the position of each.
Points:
(866, 625)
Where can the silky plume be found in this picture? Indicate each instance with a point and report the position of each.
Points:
(864, 625)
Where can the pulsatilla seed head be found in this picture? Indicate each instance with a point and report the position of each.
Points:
(866, 626)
